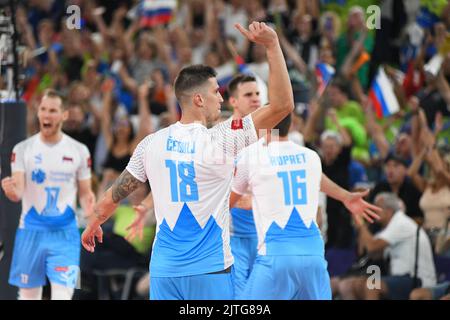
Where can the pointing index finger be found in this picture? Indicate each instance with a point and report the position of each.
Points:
(242, 29)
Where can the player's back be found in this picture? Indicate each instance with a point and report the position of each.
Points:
(284, 180)
(190, 169)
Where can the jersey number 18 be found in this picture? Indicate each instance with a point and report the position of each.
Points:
(183, 187)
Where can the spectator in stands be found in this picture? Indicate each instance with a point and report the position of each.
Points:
(435, 199)
(335, 151)
(438, 292)
(398, 237)
(350, 115)
(356, 29)
(80, 128)
(118, 132)
(397, 181)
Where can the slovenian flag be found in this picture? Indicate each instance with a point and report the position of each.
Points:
(382, 95)
(324, 73)
(156, 12)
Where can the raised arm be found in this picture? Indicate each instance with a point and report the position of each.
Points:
(413, 170)
(281, 99)
(353, 201)
(145, 118)
(105, 123)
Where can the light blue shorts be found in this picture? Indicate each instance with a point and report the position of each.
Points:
(244, 251)
(218, 286)
(37, 254)
(292, 277)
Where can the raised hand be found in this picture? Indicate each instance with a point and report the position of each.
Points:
(260, 33)
(360, 208)
(136, 228)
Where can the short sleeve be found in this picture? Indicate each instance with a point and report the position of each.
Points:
(136, 165)
(394, 231)
(232, 136)
(18, 158)
(241, 175)
(84, 170)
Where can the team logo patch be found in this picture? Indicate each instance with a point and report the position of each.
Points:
(13, 157)
(38, 176)
(70, 276)
(237, 124)
(69, 159)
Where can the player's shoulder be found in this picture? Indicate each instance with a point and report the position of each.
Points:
(252, 151)
(152, 137)
(28, 142)
(234, 124)
(75, 143)
(308, 151)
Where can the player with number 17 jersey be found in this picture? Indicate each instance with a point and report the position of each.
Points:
(47, 240)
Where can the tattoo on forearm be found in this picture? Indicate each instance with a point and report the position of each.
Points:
(124, 185)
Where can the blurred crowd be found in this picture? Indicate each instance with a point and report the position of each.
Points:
(117, 74)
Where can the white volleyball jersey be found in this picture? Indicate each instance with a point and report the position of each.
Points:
(52, 172)
(284, 181)
(190, 168)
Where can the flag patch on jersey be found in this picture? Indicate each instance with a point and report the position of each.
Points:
(61, 269)
(67, 159)
(13, 157)
(237, 124)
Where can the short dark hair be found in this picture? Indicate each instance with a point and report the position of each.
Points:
(52, 93)
(392, 156)
(238, 79)
(192, 77)
(284, 125)
(341, 84)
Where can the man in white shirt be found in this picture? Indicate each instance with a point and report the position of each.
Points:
(189, 169)
(48, 169)
(397, 240)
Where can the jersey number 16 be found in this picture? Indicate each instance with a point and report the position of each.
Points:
(294, 189)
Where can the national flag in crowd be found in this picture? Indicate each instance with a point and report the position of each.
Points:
(156, 12)
(324, 73)
(382, 95)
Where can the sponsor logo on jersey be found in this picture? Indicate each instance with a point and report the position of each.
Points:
(237, 124)
(13, 157)
(65, 158)
(89, 162)
(70, 276)
(38, 159)
(38, 176)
